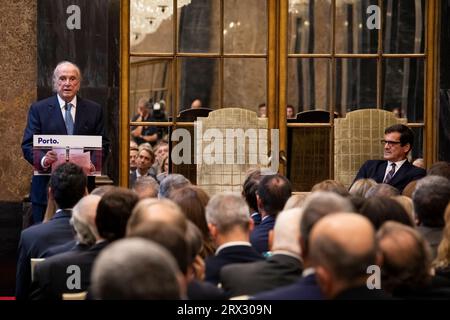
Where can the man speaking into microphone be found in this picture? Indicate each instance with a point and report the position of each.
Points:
(61, 114)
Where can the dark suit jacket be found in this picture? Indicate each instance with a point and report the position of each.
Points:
(51, 275)
(363, 293)
(376, 169)
(200, 290)
(45, 117)
(65, 247)
(259, 238)
(228, 255)
(250, 278)
(34, 241)
(306, 288)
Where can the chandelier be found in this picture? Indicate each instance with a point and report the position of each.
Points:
(147, 15)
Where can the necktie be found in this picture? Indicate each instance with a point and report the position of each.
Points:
(390, 174)
(68, 118)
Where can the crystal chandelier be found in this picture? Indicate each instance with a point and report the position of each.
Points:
(147, 15)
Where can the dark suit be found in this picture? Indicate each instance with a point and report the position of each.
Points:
(250, 278)
(228, 255)
(259, 238)
(306, 288)
(45, 117)
(65, 247)
(51, 275)
(34, 241)
(376, 169)
(200, 290)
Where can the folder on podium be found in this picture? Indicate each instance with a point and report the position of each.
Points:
(84, 151)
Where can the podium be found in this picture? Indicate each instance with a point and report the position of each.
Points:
(84, 151)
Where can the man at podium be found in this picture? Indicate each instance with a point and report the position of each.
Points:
(65, 113)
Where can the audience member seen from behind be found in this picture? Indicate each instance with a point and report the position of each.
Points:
(442, 261)
(395, 169)
(172, 182)
(50, 276)
(146, 187)
(67, 187)
(342, 248)
(193, 200)
(65, 113)
(381, 209)
(229, 225)
(136, 269)
(406, 269)
(272, 194)
(295, 201)
(249, 189)
(430, 200)
(382, 190)
(316, 206)
(361, 186)
(282, 267)
(440, 168)
(331, 186)
(419, 163)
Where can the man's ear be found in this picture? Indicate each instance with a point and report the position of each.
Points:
(50, 193)
(259, 203)
(251, 225)
(324, 280)
(212, 230)
(407, 147)
(270, 240)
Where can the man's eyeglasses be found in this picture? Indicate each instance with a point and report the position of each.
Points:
(390, 143)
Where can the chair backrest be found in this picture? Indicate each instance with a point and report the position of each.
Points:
(308, 150)
(241, 144)
(357, 139)
(34, 262)
(75, 296)
(190, 115)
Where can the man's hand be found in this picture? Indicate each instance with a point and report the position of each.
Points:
(49, 158)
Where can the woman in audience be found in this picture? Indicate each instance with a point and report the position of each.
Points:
(192, 201)
(381, 209)
(442, 261)
(361, 186)
(408, 205)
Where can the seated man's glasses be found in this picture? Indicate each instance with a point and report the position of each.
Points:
(390, 143)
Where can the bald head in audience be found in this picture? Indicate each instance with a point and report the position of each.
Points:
(162, 210)
(136, 269)
(406, 262)
(342, 247)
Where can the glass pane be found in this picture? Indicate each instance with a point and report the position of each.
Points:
(245, 26)
(309, 84)
(309, 26)
(199, 26)
(198, 83)
(150, 80)
(245, 84)
(151, 26)
(417, 150)
(352, 32)
(404, 88)
(404, 26)
(356, 85)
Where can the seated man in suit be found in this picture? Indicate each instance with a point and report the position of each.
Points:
(283, 267)
(342, 248)
(52, 278)
(395, 169)
(67, 187)
(272, 194)
(229, 225)
(316, 206)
